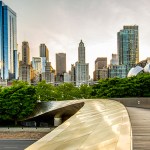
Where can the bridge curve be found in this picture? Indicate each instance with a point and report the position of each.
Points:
(96, 125)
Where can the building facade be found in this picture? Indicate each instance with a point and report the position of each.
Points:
(128, 45)
(100, 63)
(119, 71)
(60, 63)
(81, 67)
(73, 74)
(37, 63)
(44, 52)
(37, 69)
(101, 71)
(47, 74)
(60, 66)
(8, 43)
(128, 51)
(114, 60)
(67, 77)
(24, 66)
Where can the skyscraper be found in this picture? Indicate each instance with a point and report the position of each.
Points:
(44, 51)
(81, 52)
(128, 51)
(25, 53)
(128, 45)
(81, 67)
(8, 43)
(25, 67)
(60, 66)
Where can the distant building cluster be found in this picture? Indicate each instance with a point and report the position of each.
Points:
(40, 68)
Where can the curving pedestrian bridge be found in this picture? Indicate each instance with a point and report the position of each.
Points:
(91, 125)
(95, 124)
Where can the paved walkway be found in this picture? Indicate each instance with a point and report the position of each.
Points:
(27, 129)
(15, 144)
(24, 133)
(140, 121)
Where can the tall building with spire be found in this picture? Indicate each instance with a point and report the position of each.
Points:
(8, 43)
(81, 67)
(81, 52)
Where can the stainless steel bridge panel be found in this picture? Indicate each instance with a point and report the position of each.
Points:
(98, 125)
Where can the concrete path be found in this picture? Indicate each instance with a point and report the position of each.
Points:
(15, 144)
(140, 121)
(27, 129)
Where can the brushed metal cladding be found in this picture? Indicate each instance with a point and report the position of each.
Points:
(53, 107)
(134, 71)
(98, 125)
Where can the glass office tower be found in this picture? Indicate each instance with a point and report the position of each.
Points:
(128, 45)
(8, 43)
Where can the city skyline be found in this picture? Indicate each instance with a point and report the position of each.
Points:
(62, 24)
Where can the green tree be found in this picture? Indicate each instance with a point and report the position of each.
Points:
(136, 86)
(85, 91)
(46, 92)
(17, 102)
(67, 91)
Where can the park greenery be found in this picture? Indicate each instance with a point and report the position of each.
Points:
(19, 100)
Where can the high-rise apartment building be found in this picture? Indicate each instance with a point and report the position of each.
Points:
(81, 67)
(25, 67)
(8, 43)
(44, 51)
(128, 45)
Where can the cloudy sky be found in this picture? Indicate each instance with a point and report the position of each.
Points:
(61, 24)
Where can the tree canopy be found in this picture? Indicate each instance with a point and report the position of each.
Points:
(17, 102)
(136, 86)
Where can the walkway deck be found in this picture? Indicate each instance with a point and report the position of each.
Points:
(140, 121)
